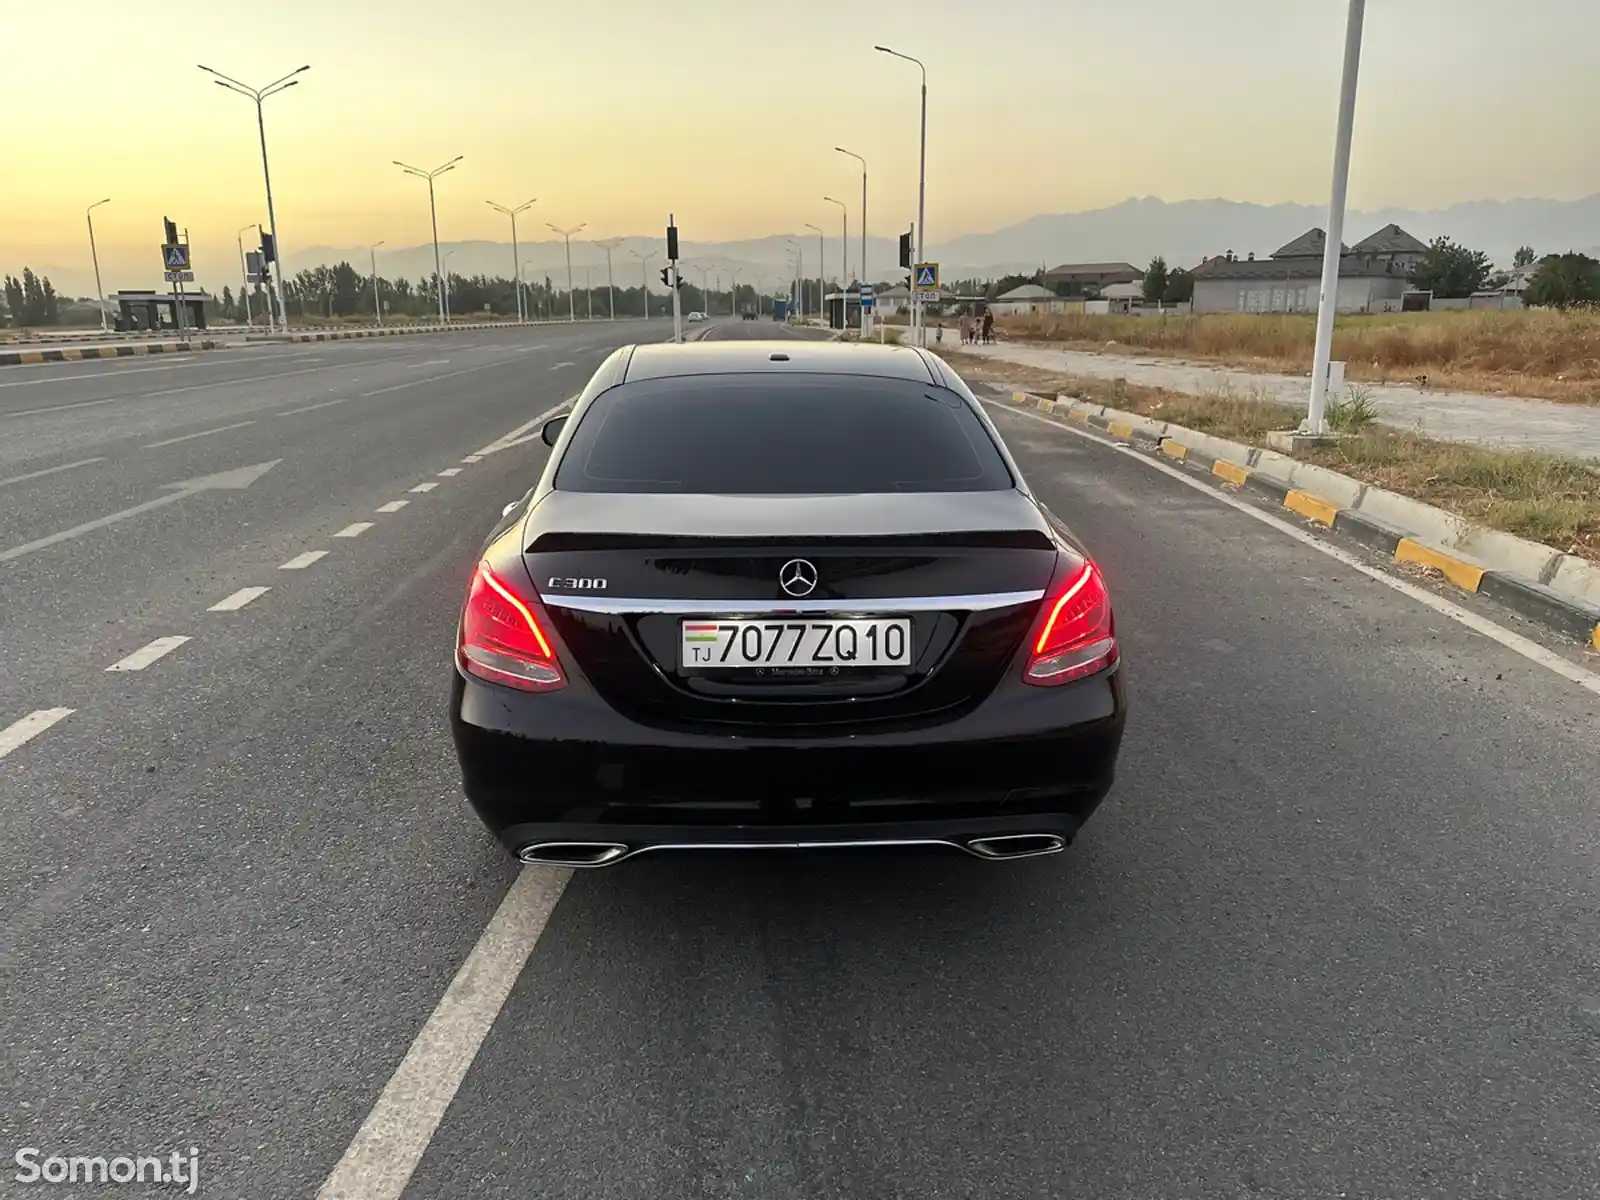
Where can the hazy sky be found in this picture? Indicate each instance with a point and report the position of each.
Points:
(612, 112)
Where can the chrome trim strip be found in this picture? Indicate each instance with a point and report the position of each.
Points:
(737, 608)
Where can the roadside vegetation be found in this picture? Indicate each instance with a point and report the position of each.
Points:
(1545, 353)
(1544, 497)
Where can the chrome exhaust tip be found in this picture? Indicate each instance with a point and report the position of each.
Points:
(1016, 845)
(572, 854)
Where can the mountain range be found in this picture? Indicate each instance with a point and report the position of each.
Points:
(1183, 232)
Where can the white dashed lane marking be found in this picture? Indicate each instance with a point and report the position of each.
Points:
(289, 412)
(301, 561)
(355, 530)
(393, 506)
(142, 658)
(449, 472)
(20, 733)
(473, 458)
(83, 462)
(239, 599)
(189, 437)
(424, 487)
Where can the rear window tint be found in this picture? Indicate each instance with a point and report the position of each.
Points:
(768, 435)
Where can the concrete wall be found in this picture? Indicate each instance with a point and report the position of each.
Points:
(1295, 295)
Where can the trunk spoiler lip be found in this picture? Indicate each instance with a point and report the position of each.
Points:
(868, 606)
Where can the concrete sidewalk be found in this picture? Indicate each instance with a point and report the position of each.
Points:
(1569, 429)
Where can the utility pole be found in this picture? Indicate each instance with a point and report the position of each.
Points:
(611, 283)
(516, 262)
(433, 213)
(572, 303)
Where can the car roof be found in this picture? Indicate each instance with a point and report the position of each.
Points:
(789, 357)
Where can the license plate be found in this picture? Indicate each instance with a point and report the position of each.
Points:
(715, 645)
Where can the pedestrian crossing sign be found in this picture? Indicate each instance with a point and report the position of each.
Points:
(927, 277)
(175, 256)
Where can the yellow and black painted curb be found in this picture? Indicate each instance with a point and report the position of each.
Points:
(24, 358)
(341, 335)
(1569, 615)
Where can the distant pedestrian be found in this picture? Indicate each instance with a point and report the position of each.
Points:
(966, 328)
(988, 327)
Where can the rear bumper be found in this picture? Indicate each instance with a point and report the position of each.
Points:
(565, 767)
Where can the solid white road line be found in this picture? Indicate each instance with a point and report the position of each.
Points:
(393, 506)
(56, 377)
(50, 471)
(142, 658)
(380, 1161)
(514, 436)
(1514, 642)
(301, 561)
(355, 530)
(450, 472)
(34, 412)
(289, 412)
(558, 366)
(239, 599)
(19, 733)
(242, 381)
(424, 487)
(189, 437)
(473, 458)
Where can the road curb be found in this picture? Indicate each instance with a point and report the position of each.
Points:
(28, 358)
(1559, 591)
(340, 335)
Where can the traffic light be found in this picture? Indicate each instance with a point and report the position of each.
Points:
(905, 250)
(666, 277)
(672, 242)
(171, 230)
(269, 248)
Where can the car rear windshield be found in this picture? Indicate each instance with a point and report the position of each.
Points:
(766, 435)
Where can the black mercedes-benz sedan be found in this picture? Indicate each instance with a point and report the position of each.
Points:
(782, 595)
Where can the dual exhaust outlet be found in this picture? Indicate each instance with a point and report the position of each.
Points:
(604, 854)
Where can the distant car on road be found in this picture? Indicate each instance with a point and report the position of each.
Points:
(782, 595)
(695, 316)
(749, 314)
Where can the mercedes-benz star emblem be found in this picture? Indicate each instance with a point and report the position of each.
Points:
(798, 577)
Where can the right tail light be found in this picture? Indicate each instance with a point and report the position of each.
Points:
(1077, 634)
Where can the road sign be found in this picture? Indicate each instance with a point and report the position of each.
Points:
(175, 256)
(868, 300)
(927, 276)
(179, 276)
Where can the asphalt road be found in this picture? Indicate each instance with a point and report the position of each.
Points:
(1332, 934)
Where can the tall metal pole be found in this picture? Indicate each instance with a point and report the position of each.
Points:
(433, 215)
(244, 275)
(611, 286)
(644, 278)
(822, 265)
(1328, 302)
(864, 276)
(372, 259)
(733, 293)
(259, 95)
(94, 254)
(917, 311)
(844, 239)
(516, 261)
(572, 304)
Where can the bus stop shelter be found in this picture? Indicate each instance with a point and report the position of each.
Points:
(143, 312)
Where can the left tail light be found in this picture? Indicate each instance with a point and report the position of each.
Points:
(503, 638)
(1077, 634)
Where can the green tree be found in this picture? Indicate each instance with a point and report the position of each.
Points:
(1180, 287)
(14, 299)
(1155, 280)
(1450, 271)
(1564, 281)
(1524, 257)
(227, 304)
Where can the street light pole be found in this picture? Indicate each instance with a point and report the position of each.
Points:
(94, 254)
(822, 265)
(844, 238)
(433, 213)
(917, 314)
(611, 284)
(572, 304)
(863, 163)
(444, 287)
(516, 262)
(244, 274)
(259, 95)
(377, 301)
(644, 277)
(1328, 302)
(733, 294)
